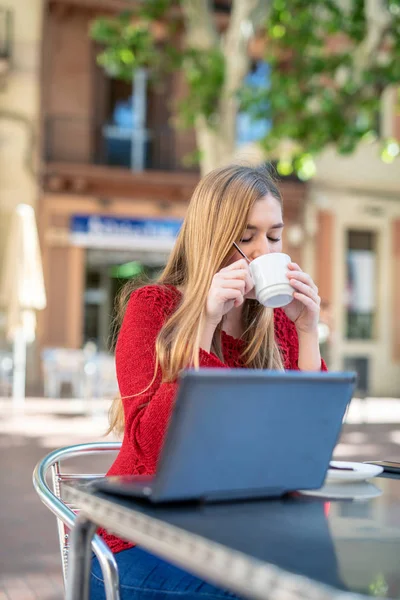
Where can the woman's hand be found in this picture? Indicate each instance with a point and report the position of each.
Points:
(305, 306)
(228, 288)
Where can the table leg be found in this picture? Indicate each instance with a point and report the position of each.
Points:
(79, 560)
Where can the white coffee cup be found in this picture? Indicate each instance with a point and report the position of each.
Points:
(271, 284)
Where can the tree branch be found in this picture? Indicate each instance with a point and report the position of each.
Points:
(237, 60)
(218, 143)
(241, 29)
(259, 15)
(201, 32)
(378, 21)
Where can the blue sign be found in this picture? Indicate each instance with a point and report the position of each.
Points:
(124, 233)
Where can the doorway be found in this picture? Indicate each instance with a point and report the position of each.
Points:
(106, 274)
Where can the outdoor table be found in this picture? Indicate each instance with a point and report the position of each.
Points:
(288, 548)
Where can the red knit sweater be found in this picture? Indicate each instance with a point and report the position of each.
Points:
(146, 415)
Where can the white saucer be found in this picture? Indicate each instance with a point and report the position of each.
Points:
(345, 491)
(360, 472)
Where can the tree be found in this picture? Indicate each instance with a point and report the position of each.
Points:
(329, 60)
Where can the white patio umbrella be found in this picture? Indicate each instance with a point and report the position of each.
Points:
(22, 291)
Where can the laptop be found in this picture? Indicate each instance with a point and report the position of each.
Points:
(244, 434)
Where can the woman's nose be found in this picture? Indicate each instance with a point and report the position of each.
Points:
(262, 248)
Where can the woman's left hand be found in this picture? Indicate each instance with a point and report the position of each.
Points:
(304, 308)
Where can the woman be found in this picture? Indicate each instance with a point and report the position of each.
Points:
(202, 312)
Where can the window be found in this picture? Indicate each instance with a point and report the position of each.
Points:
(249, 129)
(125, 135)
(361, 365)
(361, 285)
(6, 33)
(107, 271)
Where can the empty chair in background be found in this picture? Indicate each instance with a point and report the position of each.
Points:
(63, 366)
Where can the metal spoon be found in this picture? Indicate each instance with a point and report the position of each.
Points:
(241, 252)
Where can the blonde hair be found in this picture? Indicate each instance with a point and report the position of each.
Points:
(216, 217)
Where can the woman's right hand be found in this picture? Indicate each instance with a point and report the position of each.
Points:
(228, 289)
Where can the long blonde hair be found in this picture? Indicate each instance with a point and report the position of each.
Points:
(216, 217)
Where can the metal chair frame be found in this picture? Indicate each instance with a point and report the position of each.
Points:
(66, 514)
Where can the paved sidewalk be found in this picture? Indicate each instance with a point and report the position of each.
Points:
(30, 566)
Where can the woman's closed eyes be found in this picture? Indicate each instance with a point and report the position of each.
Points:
(252, 231)
(250, 239)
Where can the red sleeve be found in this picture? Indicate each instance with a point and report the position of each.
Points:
(286, 336)
(147, 414)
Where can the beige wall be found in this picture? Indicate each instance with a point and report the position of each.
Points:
(364, 170)
(360, 192)
(19, 96)
(374, 212)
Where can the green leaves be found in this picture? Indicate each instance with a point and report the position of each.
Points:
(154, 10)
(390, 150)
(317, 94)
(106, 31)
(204, 73)
(128, 45)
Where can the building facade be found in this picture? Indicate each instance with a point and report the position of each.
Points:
(108, 177)
(114, 178)
(20, 41)
(20, 91)
(353, 215)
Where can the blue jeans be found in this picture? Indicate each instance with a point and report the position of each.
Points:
(146, 577)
